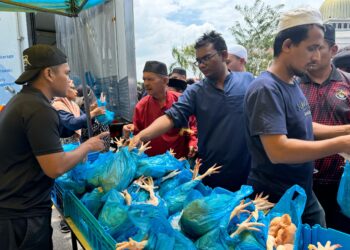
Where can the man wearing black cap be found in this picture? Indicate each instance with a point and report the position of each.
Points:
(178, 73)
(31, 153)
(327, 90)
(152, 106)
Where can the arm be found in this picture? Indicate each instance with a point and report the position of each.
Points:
(176, 116)
(322, 132)
(160, 126)
(282, 150)
(56, 164)
(71, 122)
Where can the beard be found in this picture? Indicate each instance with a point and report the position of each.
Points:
(298, 72)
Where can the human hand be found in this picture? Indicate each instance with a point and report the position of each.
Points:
(192, 151)
(97, 111)
(135, 141)
(96, 143)
(127, 129)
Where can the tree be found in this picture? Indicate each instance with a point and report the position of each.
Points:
(256, 33)
(185, 57)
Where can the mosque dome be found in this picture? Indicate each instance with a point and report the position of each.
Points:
(335, 9)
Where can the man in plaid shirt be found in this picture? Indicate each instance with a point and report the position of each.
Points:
(328, 92)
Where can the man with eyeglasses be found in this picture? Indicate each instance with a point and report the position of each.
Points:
(217, 103)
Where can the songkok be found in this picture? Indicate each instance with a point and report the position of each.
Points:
(299, 16)
(180, 71)
(156, 67)
(329, 33)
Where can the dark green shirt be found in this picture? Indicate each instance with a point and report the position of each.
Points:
(29, 127)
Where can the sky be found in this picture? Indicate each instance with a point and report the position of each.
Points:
(162, 24)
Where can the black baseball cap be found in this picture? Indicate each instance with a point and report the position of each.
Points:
(177, 84)
(39, 57)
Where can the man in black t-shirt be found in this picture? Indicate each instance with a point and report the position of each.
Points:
(31, 153)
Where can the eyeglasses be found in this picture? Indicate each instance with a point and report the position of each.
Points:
(204, 59)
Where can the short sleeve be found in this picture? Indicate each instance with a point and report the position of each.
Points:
(42, 130)
(265, 109)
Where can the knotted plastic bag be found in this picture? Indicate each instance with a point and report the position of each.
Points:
(107, 117)
(114, 215)
(93, 201)
(120, 172)
(158, 166)
(205, 214)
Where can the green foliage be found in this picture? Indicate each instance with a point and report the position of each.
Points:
(256, 32)
(185, 57)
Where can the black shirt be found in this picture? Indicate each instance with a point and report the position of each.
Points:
(29, 127)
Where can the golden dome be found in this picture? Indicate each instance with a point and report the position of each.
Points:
(335, 9)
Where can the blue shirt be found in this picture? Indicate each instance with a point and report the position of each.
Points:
(273, 107)
(220, 123)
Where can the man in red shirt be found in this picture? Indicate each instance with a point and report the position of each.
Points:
(327, 90)
(152, 106)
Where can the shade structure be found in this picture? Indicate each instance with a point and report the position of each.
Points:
(61, 7)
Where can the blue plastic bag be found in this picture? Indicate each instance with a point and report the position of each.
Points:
(159, 165)
(114, 215)
(93, 201)
(176, 198)
(107, 117)
(293, 203)
(151, 221)
(205, 214)
(170, 184)
(120, 172)
(343, 196)
(95, 170)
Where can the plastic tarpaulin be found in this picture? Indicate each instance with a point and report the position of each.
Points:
(61, 7)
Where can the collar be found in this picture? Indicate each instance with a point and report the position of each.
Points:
(34, 91)
(213, 83)
(333, 77)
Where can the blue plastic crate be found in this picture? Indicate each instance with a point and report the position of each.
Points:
(87, 224)
(322, 235)
(57, 195)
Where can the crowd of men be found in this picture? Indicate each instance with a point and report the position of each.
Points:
(265, 131)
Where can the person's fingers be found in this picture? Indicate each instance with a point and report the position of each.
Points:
(103, 134)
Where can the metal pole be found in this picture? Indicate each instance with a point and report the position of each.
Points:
(77, 21)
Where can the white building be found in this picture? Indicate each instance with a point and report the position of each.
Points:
(337, 13)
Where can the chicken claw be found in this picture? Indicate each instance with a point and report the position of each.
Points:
(170, 175)
(127, 197)
(131, 245)
(247, 225)
(240, 209)
(119, 142)
(148, 185)
(196, 168)
(262, 203)
(172, 152)
(326, 247)
(212, 170)
(144, 147)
